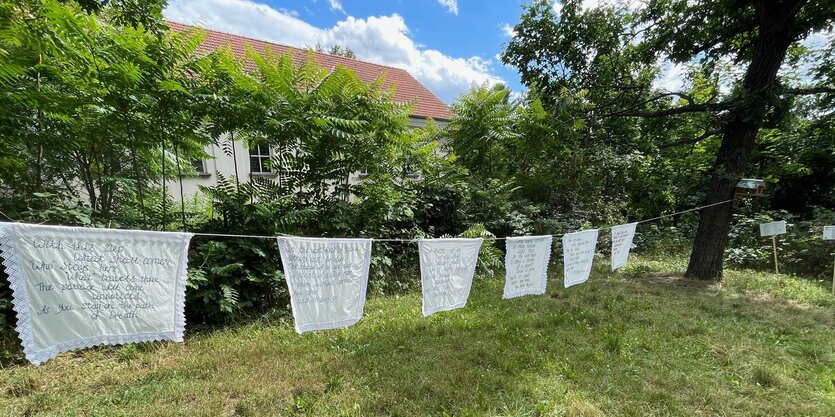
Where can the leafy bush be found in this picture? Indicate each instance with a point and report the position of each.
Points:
(666, 237)
(232, 278)
(229, 277)
(490, 258)
(800, 251)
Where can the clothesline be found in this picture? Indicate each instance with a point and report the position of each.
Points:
(486, 238)
(326, 291)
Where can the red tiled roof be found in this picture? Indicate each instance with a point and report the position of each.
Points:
(407, 88)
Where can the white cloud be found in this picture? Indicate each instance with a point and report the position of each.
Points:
(802, 71)
(518, 95)
(383, 40)
(507, 30)
(672, 77)
(244, 18)
(818, 40)
(451, 5)
(616, 4)
(336, 6)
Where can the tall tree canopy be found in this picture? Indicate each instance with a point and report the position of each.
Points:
(601, 65)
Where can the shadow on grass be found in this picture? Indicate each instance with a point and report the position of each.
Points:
(759, 305)
(11, 351)
(625, 346)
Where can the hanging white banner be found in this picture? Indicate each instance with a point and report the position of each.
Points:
(622, 236)
(578, 253)
(526, 265)
(327, 279)
(77, 287)
(829, 233)
(447, 267)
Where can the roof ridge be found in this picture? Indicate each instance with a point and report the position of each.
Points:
(407, 88)
(283, 45)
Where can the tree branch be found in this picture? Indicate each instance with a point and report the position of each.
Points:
(634, 106)
(690, 108)
(691, 141)
(727, 36)
(809, 91)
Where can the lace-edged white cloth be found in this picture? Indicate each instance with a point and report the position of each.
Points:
(13, 237)
(447, 267)
(526, 264)
(327, 279)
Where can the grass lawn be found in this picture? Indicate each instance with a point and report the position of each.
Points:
(640, 342)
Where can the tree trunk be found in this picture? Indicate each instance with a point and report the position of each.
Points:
(776, 30)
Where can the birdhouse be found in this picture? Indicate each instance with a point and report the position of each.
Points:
(749, 187)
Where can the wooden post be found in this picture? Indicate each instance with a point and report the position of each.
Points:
(774, 246)
(833, 278)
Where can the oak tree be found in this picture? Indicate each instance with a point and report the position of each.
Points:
(602, 64)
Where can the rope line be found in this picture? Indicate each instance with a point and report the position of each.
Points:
(664, 216)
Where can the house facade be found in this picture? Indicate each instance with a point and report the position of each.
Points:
(251, 162)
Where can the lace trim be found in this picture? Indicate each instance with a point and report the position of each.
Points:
(20, 298)
(20, 304)
(543, 279)
(428, 310)
(547, 262)
(180, 292)
(360, 309)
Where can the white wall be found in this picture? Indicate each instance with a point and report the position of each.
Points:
(219, 161)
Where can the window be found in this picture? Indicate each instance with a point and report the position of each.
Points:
(410, 172)
(259, 159)
(199, 166)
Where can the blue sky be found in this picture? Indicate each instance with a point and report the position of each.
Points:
(448, 45)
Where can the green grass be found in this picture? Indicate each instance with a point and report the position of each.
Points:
(641, 342)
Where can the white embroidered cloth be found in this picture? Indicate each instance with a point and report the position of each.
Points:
(327, 279)
(77, 287)
(578, 253)
(622, 236)
(526, 265)
(447, 267)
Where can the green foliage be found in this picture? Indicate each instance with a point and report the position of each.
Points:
(482, 129)
(743, 70)
(336, 50)
(62, 208)
(134, 13)
(800, 251)
(233, 278)
(101, 108)
(490, 258)
(651, 344)
(89, 105)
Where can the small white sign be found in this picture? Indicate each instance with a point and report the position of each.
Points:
(773, 228)
(829, 233)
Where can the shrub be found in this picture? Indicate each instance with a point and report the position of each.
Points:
(801, 250)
